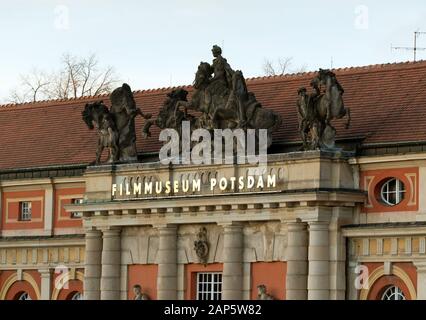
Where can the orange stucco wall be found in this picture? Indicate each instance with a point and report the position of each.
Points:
(61, 217)
(383, 282)
(272, 275)
(191, 277)
(73, 286)
(19, 287)
(10, 208)
(69, 288)
(371, 181)
(146, 276)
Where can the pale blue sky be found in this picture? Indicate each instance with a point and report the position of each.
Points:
(160, 43)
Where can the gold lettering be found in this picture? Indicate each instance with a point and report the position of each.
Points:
(196, 185)
(148, 187)
(272, 181)
(241, 183)
(168, 187)
(213, 183)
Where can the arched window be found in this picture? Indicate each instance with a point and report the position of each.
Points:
(77, 296)
(24, 296)
(393, 293)
(74, 295)
(392, 191)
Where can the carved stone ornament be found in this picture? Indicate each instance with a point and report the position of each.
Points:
(139, 295)
(318, 108)
(201, 246)
(262, 293)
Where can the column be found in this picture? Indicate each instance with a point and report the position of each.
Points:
(92, 265)
(1, 210)
(111, 263)
(233, 247)
(351, 289)
(48, 210)
(319, 255)
(421, 280)
(45, 285)
(167, 263)
(297, 261)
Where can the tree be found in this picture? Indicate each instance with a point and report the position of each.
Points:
(280, 68)
(77, 77)
(33, 85)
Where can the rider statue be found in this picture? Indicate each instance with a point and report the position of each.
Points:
(222, 71)
(223, 82)
(318, 108)
(222, 100)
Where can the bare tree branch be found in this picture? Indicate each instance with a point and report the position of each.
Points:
(77, 77)
(280, 68)
(268, 68)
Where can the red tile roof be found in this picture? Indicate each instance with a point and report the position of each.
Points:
(387, 104)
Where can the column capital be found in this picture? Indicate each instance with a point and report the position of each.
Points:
(319, 225)
(44, 272)
(296, 225)
(165, 226)
(231, 224)
(110, 229)
(92, 232)
(420, 265)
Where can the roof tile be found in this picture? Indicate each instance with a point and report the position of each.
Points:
(387, 104)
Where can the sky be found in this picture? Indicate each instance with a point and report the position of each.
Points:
(160, 43)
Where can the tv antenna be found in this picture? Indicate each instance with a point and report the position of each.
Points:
(414, 48)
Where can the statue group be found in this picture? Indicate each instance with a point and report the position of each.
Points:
(115, 126)
(318, 108)
(222, 100)
(221, 96)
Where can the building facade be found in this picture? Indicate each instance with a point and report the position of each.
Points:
(311, 225)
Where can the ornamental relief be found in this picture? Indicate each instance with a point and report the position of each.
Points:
(262, 242)
(48, 256)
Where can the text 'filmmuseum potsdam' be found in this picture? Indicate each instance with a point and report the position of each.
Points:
(336, 211)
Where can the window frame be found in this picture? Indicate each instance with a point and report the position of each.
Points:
(392, 292)
(76, 214)
(77, 296)
(25, 214)
(209, 292)
(24, 296)
(399, 192)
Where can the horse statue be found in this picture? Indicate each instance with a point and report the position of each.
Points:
(97, 115)
(223, 107)
(123, 106)
(170, 116)
(115, 126)
(330, 104)
(317, 109)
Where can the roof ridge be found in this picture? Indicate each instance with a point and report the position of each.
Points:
(352, 69)
(288, 76)
(54, 102)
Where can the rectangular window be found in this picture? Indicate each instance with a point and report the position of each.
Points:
(25, 211)
(209, 286)
(76, 215)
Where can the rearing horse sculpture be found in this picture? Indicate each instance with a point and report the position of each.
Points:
(330, 104)
(318, 109)
(230, 108)
(115, 126)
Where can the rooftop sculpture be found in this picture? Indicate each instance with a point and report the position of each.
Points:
(318, 108)
(221, 97)
(115, 126)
